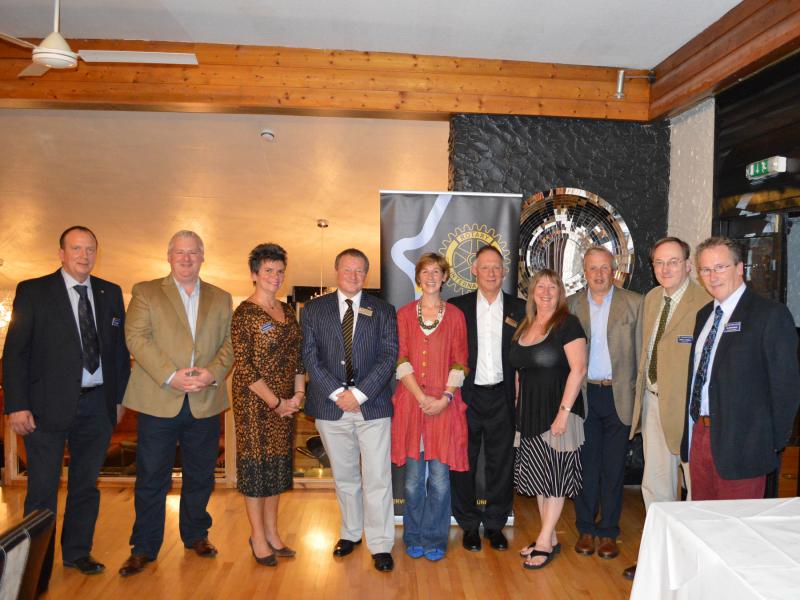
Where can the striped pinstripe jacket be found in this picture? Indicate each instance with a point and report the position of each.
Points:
(374, 356)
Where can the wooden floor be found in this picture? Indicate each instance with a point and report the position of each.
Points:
(310, 523)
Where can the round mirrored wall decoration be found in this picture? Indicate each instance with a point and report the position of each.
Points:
(559, 225)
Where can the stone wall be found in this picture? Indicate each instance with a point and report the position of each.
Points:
(626, 164)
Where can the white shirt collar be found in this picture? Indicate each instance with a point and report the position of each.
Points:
(182, 290)
(356, 299)
(731, 301)
(71, 282)
(498, 301)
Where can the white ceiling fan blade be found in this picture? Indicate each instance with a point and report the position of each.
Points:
(33, 70)
(121, 56)
(13, 40)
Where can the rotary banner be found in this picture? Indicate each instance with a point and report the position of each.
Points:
(453, 224)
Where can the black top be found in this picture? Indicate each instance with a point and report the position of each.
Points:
(543, 370)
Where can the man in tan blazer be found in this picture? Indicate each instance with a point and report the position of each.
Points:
(668, 320)
(178, 331)
(611, 318)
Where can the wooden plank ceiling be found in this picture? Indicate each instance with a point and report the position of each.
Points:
(268, 79)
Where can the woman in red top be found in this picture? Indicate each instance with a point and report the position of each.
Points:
(429, 428)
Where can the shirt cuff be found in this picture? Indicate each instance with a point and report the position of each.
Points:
(359, 395)
(170, 378)
(455, 378)
(403, 369)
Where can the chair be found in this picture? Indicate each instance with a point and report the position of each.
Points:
(22, 553)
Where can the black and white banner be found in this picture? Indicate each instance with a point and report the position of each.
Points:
(453, 224)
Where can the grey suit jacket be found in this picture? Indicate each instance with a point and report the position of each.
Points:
(624, 335)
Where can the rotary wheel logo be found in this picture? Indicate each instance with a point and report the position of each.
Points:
(460, 248)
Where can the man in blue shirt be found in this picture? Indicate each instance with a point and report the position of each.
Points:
(611, 318)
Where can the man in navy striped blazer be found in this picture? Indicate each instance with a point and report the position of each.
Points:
(349, 351)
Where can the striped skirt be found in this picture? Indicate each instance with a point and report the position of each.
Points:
(539, 470)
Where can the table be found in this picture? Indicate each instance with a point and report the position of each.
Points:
(727, 549)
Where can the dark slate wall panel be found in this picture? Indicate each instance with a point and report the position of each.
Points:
(626, 164)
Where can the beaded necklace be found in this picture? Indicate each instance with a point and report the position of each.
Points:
(433, 325)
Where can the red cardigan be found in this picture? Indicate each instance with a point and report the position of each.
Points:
(432, 356)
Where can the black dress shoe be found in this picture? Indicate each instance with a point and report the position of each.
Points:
(345, 547)
(472, 540)
(383, 561)
(86, 565)
(629, 573)
(496, 539)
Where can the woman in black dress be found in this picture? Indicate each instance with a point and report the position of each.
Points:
(549, 353)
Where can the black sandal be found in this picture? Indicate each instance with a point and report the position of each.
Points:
(532, 546)
(549, 558)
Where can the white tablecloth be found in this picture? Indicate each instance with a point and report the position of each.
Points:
(727, 549)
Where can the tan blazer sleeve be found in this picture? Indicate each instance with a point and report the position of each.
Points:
(139, 337)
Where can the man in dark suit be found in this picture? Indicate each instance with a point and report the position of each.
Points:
(65, 368)
(349, 351)
(743, 385)
(179, 332)
(492, 316)
(611, 318)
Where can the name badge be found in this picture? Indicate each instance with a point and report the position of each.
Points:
(737, 326)
(363, 310)
(512, 322)
(266, 327)
(115, 321)
(685, 339)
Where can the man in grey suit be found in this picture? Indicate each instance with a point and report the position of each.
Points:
(349, 351)
(611, 318)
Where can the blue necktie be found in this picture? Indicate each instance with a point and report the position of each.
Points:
(702, 369)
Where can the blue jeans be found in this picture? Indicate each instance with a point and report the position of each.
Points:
(426, 519)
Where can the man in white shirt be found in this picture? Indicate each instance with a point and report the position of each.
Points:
(744, 381)
(178, 330)
(349, 352)
(491, 316)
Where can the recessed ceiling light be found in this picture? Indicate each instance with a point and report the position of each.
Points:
(268, 135)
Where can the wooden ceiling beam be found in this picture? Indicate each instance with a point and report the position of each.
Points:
(249, 78)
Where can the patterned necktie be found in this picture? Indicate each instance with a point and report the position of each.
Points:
(347, 335)
(91, 346)
(662, 325)
(702, 368)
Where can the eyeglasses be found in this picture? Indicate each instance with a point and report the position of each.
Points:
(672, 263)
(706, 271)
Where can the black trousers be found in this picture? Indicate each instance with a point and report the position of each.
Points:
(87, 440)
(490, 421)
(603, 461)
(155, 456)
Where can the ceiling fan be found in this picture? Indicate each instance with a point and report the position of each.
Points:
(53, 52)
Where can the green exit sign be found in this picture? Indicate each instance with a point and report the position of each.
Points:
(766, 167)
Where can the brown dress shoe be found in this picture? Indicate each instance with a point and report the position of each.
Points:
(608, 548)
(204, 548)
(585, 545)
(630, 572)
(135, 564)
